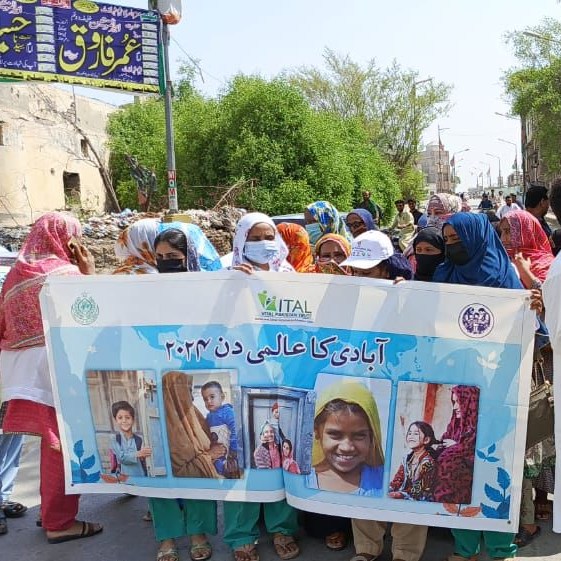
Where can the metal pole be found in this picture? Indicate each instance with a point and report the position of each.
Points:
(170, 146)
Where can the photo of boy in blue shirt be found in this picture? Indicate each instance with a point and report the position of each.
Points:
(128, 455)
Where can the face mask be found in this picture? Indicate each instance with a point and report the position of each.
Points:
(261, 252)
(171, 265)
(427, 264)
(314, 231)
(457, 253)
(437, 221)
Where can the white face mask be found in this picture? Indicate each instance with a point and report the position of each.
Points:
(261, 252)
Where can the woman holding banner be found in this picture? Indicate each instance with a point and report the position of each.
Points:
(147, 251)
(259, 247)
(475, 256)
(53, 247)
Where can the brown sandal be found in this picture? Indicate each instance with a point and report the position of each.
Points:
(336, 541)
(285, 546)
(246, 553)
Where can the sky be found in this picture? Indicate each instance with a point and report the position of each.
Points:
(460, 42)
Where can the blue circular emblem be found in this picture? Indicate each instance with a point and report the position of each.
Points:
(84, 310)
(476, 320)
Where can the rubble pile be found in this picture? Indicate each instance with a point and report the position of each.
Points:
(100, 232)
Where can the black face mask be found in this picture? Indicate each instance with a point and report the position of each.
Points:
(427, 264)
(171, 265)
(457, 253)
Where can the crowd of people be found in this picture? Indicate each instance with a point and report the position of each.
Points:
(446, 244)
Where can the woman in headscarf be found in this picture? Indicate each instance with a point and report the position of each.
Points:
(53, 247)
(331, 249)
(267, 455)
(258, 246)
(475, 256)
(454, 477)
(429, 252)
(523, 237)
(440, 207)
(323, 218)
(299, 249)
(208, 257)
(135, 248)
(528, 247)
(360, 220)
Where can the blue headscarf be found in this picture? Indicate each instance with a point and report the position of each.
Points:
(366, 217)
(489, 264)
(209, 259)
(329, 219)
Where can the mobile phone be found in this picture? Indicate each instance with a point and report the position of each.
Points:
(331, 268)
(72, 244)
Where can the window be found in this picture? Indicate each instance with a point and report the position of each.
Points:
(84, 147)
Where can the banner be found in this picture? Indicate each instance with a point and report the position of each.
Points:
(347, 395)
(81, 42)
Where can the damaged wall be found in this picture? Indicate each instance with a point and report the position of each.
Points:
(45, 164)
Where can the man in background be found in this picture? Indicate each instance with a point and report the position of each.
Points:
(537, 204)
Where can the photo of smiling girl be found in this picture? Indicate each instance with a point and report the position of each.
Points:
(347, 454)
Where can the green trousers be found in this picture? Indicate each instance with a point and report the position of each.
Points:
(241, 521)
(175, 518)
(499, 545)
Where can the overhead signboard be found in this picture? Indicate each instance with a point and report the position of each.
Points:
(81, 42)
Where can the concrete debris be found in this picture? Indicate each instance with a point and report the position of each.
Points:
(100, 232)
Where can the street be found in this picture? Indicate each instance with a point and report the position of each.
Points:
(126, 537)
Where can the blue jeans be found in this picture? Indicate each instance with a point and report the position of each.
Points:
(10, 450)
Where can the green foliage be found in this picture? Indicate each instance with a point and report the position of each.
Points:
(257, 130)
(390, 102)
(534, 88)
(412, 184)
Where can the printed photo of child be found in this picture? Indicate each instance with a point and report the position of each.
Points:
(288, 462)
(127, 454)
(416, 475)
(347, 453)
(428, 467)
(221, 423)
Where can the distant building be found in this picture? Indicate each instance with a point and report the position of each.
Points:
(534, 169)
(435, 165)
(46, 163)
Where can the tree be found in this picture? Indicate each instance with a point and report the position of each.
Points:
(534, 87)
(258, 130)
(393, 108)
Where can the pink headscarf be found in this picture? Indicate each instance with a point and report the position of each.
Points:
(44, 252)
(528, 238)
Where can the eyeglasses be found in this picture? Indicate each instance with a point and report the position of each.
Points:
(353, 225)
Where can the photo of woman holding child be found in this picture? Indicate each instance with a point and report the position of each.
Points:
(347, 453)
(431, 469)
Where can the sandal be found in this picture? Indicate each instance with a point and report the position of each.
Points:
(525, 537)
(542, 511)
(168, 555)
(89, 529)
(363, 557)
(285, 546)
(336, 541)
(13, 510)
(200, 551)
(147, 516)
(246, 553)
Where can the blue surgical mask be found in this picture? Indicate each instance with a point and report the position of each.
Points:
(261, 252)
(314, 232)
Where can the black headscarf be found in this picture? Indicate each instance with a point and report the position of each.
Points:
(427, 264)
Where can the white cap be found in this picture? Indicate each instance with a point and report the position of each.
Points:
(369, 249)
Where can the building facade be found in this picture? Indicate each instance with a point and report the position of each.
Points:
(435, 165)
(51, 146)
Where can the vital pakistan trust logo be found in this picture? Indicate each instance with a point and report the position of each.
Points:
(476, 320)
(274, 308)
(84, 310)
